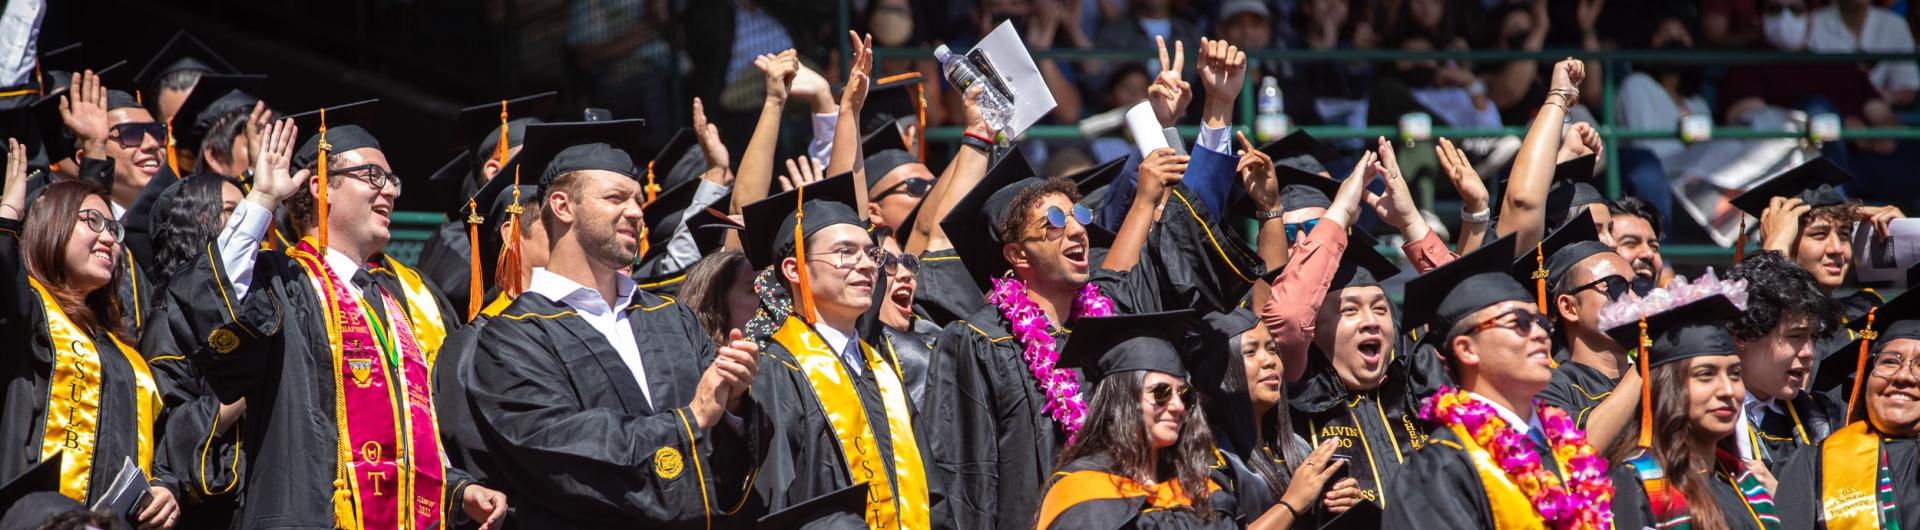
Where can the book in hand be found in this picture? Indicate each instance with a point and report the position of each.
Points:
(128, 494)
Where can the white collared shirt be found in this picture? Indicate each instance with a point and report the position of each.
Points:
(843, 346)
(240, 243)
(609, 320)
(1752, 410)
(1523, 426)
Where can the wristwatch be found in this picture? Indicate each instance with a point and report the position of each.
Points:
(1269, 214)
(975, 141)
(1481, 216)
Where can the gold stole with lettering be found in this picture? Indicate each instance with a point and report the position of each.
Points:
(73, 400)
(833, 387)
(1849, 478)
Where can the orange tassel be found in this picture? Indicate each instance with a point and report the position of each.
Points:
(1740, 243)
(173, 158)
(1540, 274)
(475, 291)
(326, 150)
(1860, 365)
(139, 98)
(500, 149)
(800, 255)
(653, 189)
(920, 132)
(1646, 386)
(506, 273)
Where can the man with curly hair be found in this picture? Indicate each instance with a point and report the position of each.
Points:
(1787, 312)
(1804, 216)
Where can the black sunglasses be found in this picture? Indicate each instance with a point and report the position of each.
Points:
(1617, 286)
(913, 187)
(130, 135)
(891, 262)
(1164, 392)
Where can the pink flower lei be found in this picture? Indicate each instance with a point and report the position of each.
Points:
(1030, 325)
(1584, 502)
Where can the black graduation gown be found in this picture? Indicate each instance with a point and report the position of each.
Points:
(1812, 416)
(28, 371)
(1134, 513)
(1798, 501)
(459, 436)
(1440, 488)
(1631, 509)
(1577, 389)
(138, 219)
(136, 293)
(282, 365)
(574, 441)
(446, 259)
(1378, 429)
(911, 350)
(1854, 306)
(944, 291)
(995, 444)
(800, 455)
(204, 468)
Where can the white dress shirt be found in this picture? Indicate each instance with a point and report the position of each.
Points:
(609, 320)
(240, 244)
(1523, 426)
(1883, 32)
(843, 346)
(1752, 411)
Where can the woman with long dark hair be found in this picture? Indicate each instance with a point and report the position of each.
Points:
(75, 390)
(186, 217)
(1690, 473)
(1142, 457)
(719, 290)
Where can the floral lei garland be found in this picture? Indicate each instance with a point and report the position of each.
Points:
(1585, 501)
(1030, 326)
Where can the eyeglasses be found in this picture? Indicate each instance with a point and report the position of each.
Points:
(1294, 230)
(101, 223)
(913, 187)
(1616, 286)
(848, 257)
(1523, 322)
(1164, 392)
(1887, 363)
(891, 263)
(373, 175)
(1057, 220)
(131, 135)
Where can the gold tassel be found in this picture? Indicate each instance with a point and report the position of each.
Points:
(644, 247)
(1860, 365)
(343, 506)
(326, 151)
(1646, 385)
(800, 255)
(506, 273)
(1740, 243)
(475, 292)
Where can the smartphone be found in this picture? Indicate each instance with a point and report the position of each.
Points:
(1345, 471)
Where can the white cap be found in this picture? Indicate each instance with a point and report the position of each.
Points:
(1232, 8)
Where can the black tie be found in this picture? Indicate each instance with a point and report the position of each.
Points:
(372, 293)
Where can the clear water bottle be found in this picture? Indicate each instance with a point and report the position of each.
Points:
(995, 108)
(1271, 123)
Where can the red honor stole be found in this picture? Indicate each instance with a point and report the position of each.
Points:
(391, 472)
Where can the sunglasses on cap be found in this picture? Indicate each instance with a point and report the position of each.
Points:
(130, 135)
(913, 187)
(1057, 220)
(1162, 393)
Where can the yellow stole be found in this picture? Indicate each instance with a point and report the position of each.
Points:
(833, 388)
(1849, 478)
(423, 310)
(73, 400)
(1511, 508)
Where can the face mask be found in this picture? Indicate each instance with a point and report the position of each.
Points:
(892, 28)
(1786, 31)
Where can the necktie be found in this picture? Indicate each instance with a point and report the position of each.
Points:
(371, 295)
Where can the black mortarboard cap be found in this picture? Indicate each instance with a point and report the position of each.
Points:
(665, 166)
(1899, 318)
(555, 149)
(1093, 179)
(58, 65)
(885, 151)
(1301, 152)
(481, 123)
(494, 199)
(183, 52)
(712, 219)
(1103, 346)
(837, 509)
(346, 130)
(43, 115)
(972, 223)
(770, 221)
(1205, 353)
(1361, 264)
(891, 100)
(1567, 246)
(669, 210)
(460, 168)
(213, 97)
(30, 498)
(1574, 184)
(1300, 189)
(1816, 182)
(1694, 329)
(1443, 296)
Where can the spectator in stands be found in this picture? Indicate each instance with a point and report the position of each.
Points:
(1848, 26)
(1515, 86)
(1449, 92)
(897, 24)
(1145, 20)
(1731, 24)
(1658, 96)
(1321, 93)
(1817, 88)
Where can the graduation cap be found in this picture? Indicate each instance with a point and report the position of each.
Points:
(893, 99)
(1360, 265)
(770, 221)
(1208, 340)
(1815, 182)
(1094, 180)
(555, 149)
(43, 116)
(1897, 319)
(459, 169)
(885, 151)
(1299, 161)
(487, 214)
(840, 508)
(348, 133)
(1574, 185)
(669, 210)
(712, 219)
(483, 123)
(215, 96)
(1444, 295)
(1555, 256)
(1103, 346)
(23, 498)
(182, 53)
(1694, 329)
(664, 169)
(57, 66)
(973, 222)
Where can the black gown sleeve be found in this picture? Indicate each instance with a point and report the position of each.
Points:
(1187, 262)
(99, 170)
(234, 342)
(22, 305)
(1630, 506)
(139, 216)
(1798, 501)
(962, 429)
(193, 456)
(945, 291)
(445, 260)
(532, 418)
(1561, 395)
(1438, 488)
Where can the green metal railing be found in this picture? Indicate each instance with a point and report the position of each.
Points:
(1611, 62)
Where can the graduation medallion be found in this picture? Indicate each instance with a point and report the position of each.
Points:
(223, 340)
(667, 464)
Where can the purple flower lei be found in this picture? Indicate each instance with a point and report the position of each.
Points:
(1030, 326)
(1584, 501)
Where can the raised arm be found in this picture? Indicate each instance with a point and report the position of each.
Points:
(756, 164)
(846, 135)
(252, 220)
(1474, 209)
(968, 167)
(1161, 170)
(1523, 210)
(1296, 295)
